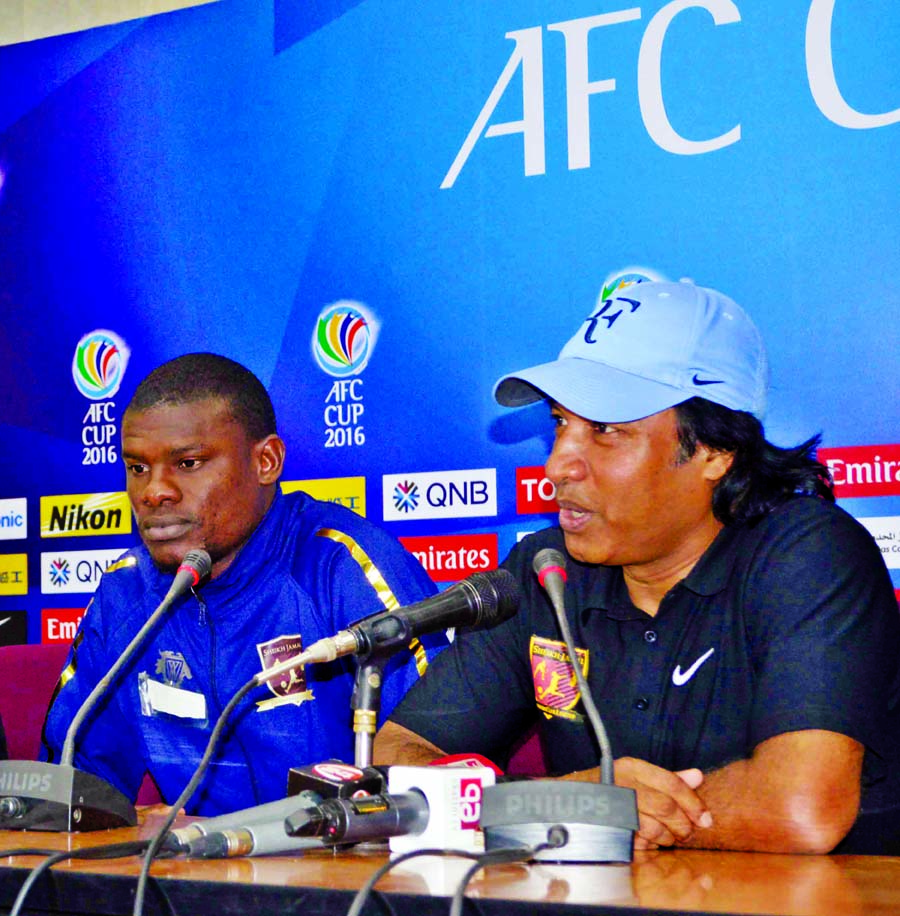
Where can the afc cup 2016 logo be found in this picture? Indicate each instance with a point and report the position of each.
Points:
(98, 366)
(344, 338)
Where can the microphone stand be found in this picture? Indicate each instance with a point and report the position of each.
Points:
(366, 704)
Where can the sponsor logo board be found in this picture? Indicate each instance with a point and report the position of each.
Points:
(60, 624)
(14, 574)
(886, 531)
(439, 494)
(13, 518)
(447, 558)
(345, 491)
(73, 571)
(13, 629)
(85, 514)
(863, 470)
(534, 491)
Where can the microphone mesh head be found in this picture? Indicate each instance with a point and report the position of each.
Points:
(546, 559)
(497, 594)
(199, 561)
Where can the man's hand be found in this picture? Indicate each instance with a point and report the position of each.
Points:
(669, 809)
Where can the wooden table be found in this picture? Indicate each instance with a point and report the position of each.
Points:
(323, 882)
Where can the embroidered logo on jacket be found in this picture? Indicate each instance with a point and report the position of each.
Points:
(555, 687)
(291, 686)
(172, 668)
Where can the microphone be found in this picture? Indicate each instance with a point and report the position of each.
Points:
(482, 600)
(599, 819)
(253, 840)
(550, 567)
(256, 835)
(342, 821)
(426, 807)
(307, 786)
(57, 797)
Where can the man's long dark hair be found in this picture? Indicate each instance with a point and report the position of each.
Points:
(762, 475)
(198, 376)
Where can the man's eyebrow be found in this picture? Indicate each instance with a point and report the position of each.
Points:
(173, 452)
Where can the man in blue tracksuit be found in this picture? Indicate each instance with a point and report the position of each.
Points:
(203, 462)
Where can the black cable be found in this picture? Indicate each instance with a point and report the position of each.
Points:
(108, 851)
(157, 841)
(557, 836)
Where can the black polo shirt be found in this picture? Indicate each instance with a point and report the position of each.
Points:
(789, 623)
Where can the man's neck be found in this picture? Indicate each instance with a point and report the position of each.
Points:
(649, 583)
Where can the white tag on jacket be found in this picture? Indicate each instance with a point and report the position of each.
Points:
(171, 701)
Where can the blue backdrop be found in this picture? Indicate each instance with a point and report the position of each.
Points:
(382, 206)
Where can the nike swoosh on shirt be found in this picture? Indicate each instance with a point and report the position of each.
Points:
(679, 677)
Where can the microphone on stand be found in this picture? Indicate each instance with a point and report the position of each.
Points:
(35, 795)
(308, 786)
(482, 600)
(599, 819)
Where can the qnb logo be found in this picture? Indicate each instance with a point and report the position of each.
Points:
(98, 366)
(470, 794)
(440, 494)
(344, 338)
(406, 496)
(59, 572)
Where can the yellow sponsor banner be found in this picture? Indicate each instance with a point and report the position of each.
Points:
(13, 573)
(346, 491)
(83, 514)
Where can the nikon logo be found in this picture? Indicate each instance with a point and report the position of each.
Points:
(85, 514)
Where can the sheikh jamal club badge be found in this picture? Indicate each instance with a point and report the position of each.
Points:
(291, 686)
(555, 686)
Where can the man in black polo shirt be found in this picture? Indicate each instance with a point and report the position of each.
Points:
(739, 631)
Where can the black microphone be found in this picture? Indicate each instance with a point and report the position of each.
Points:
(308, 786)
(48, 796)
(482, 600)
(341, 821)
(599, 819)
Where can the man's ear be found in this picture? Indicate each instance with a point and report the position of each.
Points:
(269, 453)
(716, 463)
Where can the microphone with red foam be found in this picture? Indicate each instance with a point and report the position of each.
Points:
(598, 820)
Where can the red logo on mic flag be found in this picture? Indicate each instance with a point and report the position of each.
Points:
(469, 803)
(338, 772)
(555, 687)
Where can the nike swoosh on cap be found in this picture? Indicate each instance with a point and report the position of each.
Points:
(680, 678)
(707, 381)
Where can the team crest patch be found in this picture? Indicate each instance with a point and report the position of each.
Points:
(555, 688)
(291, 686)
(172, 668)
